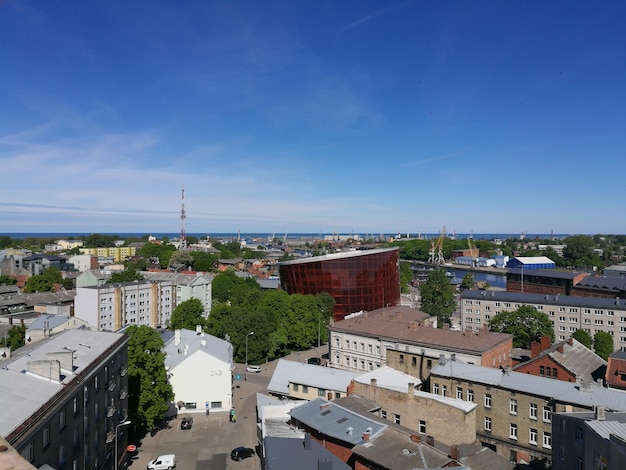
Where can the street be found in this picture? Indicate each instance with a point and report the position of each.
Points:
(208, 444)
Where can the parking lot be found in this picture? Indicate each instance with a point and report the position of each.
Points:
(208, 443)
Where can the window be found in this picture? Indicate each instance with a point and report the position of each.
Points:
(422, 427)
(305, 389)
(562, 454)
(547, 414)
(532, 437)
(401, 359)
(487, 423)
(487, 400)
(296, 387)
(61, 419)
(470, 395)
(413, 361)
(27, 453)
(532, 411)
(396, 419)
(46, 435)
(362, 347)
(337, 340)
(547, 440)
(444, 390)
(459, 393)
(61, 455)
(369, 348)
(542, 371)
(512, 406)
(383, 414)
(579, 434)
(436, 389)
(321, 392)
(513, 431)
(337, 395)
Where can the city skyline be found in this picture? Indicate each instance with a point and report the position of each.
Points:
(333, 117)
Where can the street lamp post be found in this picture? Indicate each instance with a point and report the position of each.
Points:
(319, 330)
(245, 377)
(125, 423)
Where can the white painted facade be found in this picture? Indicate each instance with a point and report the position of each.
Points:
(199, 369)
(356, 352)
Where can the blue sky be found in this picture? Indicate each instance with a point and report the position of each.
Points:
(293, 116)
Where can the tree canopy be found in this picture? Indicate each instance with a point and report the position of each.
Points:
(437, 296)
(15, 337)
(603, 344)
(129, 274)
(187, 315)
(526, 324)
(149, 392)
(406, 276)
(45, 281)
(583, 337)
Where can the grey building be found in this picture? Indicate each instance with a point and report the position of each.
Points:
(64, 399)
(589, 440)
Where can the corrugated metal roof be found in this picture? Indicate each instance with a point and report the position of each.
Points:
(328, 378)
(605, 428)
(389, 378)
(336, 421)
(545, 299)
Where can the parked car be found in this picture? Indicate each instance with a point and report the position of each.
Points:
(315, 361)
(186, 423)
(255, 369)
(240, 453)
(163, 462)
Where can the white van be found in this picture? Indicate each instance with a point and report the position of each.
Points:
(163, 462)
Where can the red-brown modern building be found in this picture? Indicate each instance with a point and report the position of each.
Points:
(357, 280)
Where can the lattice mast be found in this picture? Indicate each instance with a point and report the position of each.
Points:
(183, 216)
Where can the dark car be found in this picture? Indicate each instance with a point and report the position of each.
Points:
(186, 423)
(315, 361)
(240, 453)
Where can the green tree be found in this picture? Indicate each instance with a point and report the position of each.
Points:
(156, 250)
(16, 337)
(181, 257)
(188, 315)
(129, 274)
(526, 324)
(204, 262)
(97, 240)
(149, 392)
(578, 250)
(7, 281)
(44, 282)
(438, 296)
(468, 281)
(406, 276)
(583, 337)
(222, 285)
(603, 344)
(73, 251)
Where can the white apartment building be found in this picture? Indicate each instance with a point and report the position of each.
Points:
(112, 307)
(567, 312)
(187, 286)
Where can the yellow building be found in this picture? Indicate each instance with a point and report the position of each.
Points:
(118, 253)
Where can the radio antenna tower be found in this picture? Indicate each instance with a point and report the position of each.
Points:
(183, 234)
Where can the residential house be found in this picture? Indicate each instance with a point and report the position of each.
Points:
(77, 395)
(568, 313)
(514, 413)
(589, 440)
(112, 307)
(199, 368)
(450, 419)
(566, 360)
(616, 370)
(93, 277)
(396, 337)
(84, 262)
(281, 453)
(307, 382)
(47, 325)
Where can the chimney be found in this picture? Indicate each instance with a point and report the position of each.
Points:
(373, 382)
(483, 331)
(198, 329)
(535, 349)
(570, 342)
(455, 454)
(416, 438)
(453, 357)
(176, 337)
(413, 325)
(446, 326)
(365, 437)
(65, 358)
(410, 387)
(324, 464)
(545, 342)
(47, 369)
(600, 413)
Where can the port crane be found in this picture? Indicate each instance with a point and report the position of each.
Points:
(435, 255)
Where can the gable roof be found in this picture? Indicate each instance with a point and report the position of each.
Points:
(574, 357)
(192, 342)
(328, 378)
(336, 421)
(282, 454)
(583, 394)
(48, 322)
(389, 378)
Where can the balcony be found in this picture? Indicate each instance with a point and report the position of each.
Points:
(110, 411)
(112, 385)
(124, 371)
(123, 394)
(110, 437)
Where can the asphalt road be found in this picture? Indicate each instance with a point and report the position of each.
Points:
(208, 444)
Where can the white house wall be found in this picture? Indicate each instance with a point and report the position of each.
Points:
(202, 378)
